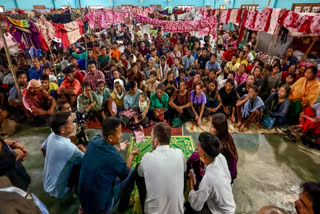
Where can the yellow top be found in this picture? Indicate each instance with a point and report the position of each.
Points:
(304, 90)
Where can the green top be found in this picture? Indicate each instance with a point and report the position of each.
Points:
(156, 103)
(103, 61)
(82, 101)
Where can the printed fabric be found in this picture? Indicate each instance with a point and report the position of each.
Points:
(306, 24)
(68, 33)
(47, 29)
(262, 21)
(276, 13)
(180, 26)
(224, 16)
(251, 18)
(234, 15)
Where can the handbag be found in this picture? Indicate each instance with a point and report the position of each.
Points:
(268, 121)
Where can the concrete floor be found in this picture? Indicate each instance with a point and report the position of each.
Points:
(270, 171)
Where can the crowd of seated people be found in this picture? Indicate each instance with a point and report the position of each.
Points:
(155, 81)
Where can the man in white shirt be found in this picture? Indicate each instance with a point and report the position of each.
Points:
(215, 186)
(163, 172)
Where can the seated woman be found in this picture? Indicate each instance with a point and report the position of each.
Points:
(249, 109)
(304, 92)
(290, 79)
(182, 76)
(135, 75)
(159, 105)
(277, 105)
(271, 81)
(198, 102)
(118, 95)
(89, 102)
(241, 75)
(170, 86)
(229, 98)
(244, 87)
(292, 70)
(309, 121)
(151, 84)
(150, 68)
(258, 80)
(213, 98)
(163, 68)
(131, 106)
(179, 103)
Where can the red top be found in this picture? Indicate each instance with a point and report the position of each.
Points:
(227, 55)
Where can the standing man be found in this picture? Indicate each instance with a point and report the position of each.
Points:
(94, 76)
(105, 178)
(161, 174)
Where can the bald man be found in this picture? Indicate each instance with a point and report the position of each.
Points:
(271, 210)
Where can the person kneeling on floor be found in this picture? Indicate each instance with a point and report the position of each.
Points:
(249, 109)
(214, 189)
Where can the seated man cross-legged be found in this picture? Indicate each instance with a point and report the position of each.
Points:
(249, 109)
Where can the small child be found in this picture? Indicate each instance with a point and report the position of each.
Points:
(143, 104)
(47, 70)
(102, 92)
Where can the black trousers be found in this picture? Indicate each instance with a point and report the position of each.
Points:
(187, 114)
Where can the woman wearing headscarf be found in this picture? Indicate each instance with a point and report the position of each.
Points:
(164, 68)
(118, 94)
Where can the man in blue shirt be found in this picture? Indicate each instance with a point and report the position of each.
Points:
(188, 60)
(35, 72)
(61, 156)
(105, 178)
(213, 64)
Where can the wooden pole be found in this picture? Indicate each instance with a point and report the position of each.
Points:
(55, 69)
(10, 64)
(258, 39)
(314, 39)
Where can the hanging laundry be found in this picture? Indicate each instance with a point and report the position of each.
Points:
(47, 29)
(295, 22)
(224, 16)
(276, 13)
(19, 23)
(315, 26)
(234, 15)
(251, 18)
(68, 33)
(262, 20)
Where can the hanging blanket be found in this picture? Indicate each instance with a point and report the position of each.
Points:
(47, 29)
(276, 13)
(234, 16)
(263, 19)
(224, 16)
(306, 24)
(68, 33)
(251, 18)
(180, 26)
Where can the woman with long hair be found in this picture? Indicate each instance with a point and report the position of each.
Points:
(228, 149)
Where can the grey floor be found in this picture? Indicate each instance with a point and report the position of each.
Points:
(270, 171)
